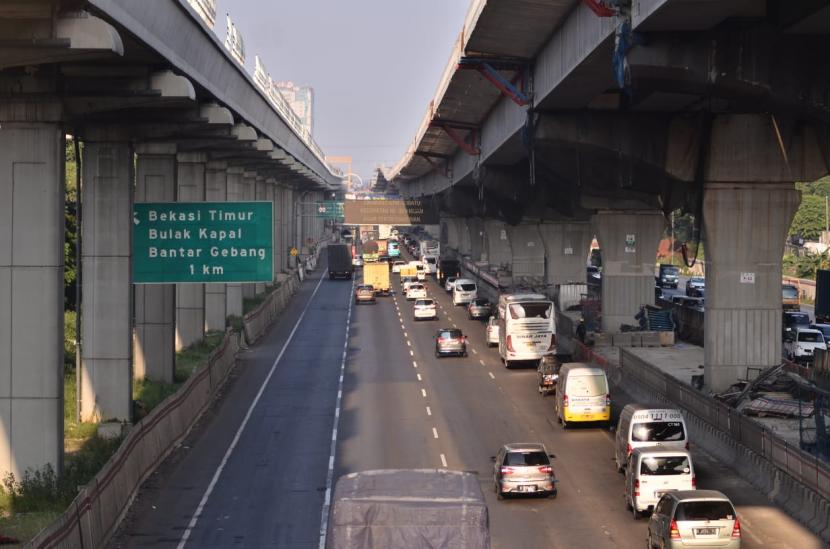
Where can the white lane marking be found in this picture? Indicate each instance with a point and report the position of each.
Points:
(197, 514)
(408, 344)
(414, 364)
(419, 377)
(491, 375)
(475, 352)
(434, 432)
(454, 325)
(411, 353)
(324, 514)
(481, 361)
(443, 460)
(429, 411)
(404, 334)
(424, 393)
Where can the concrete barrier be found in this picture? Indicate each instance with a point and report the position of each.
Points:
(98, 508)
(256, 323)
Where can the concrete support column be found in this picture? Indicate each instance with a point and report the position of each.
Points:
(249, 194)
(105, 375)
(628, 241)
(285, 209)
(528, 261)
(233, 290)
(498, 247)
(190, 298)
(216, 308)
(154, 335)
(474, 238)
(261, 195)
(31, 286)
(275, 232)
(566, 251)
(746, 226)
(291, 214)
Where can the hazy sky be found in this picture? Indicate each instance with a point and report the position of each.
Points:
(374, 64)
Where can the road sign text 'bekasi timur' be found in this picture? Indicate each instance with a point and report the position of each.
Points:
(180, 242)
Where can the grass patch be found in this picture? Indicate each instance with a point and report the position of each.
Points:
(187, 360)
(72, 429)
(25, 526)
(251, 303)
(235, 323)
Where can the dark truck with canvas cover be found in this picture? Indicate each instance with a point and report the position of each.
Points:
(340, 261)
(408, 509)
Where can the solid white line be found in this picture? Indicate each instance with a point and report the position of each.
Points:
(434, 432)
(419, 377)
(491, 375)
(424, 393)
(195, 518)
(443, 460)
(429, 412)
(324, 514)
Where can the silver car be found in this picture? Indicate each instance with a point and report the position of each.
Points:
(697, 518)
(450, 341)
(524, 468)
(492, 331)
(478, 308)
(449, 284)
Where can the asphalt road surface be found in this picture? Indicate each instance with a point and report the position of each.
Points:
(401, 407)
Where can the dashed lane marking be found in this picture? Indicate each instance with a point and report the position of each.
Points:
(411, 353)
(414, 364)
(491, 375)
(434, 432)
(443, 460)
(475, 352)
(481, 361)
(419, 377)
(408, 344)
(424, 393)
(429, 411)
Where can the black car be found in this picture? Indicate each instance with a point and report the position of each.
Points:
(824, 329)
(793, 320)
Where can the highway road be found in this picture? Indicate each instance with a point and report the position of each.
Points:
(400, 407)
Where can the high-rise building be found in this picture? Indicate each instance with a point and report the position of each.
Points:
(301, 100)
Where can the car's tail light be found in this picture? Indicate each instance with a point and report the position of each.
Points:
(694, 482)
(637, 487)
(628, 449)
(547, 469)
(552, 346)
(565, 401)
(506, 470)
(608, 400)
(509, 343)
(736, 529)
(673, 530)
(687, 444)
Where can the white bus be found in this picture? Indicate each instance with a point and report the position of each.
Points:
(527, 327)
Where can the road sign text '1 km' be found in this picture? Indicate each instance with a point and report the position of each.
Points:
(180, 242)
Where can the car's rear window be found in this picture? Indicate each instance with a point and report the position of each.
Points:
(430, 260)
(466, 287)
(481, 302)
(658, 431)
(530, 310)
(665, 465)
(704, 510)
(520, 459)
(452, 278)
(423, 302)
(591, 385)
(416, 286)
(449, 334)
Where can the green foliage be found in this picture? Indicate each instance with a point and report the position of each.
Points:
(69, 338)
(805, 266)
(70, 272)
(809, 220)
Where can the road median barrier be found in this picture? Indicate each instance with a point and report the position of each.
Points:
(257, 322)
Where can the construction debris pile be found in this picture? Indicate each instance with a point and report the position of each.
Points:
(774, 393)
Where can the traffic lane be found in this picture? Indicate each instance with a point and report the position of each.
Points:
(483, 413)
(271, 491)
(765, 523)
(383, 422)
(167, 500)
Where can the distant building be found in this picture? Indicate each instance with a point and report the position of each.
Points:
(301, 100)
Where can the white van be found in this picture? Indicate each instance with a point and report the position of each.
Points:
(430, 264)
(582, 394)
(464, 290)
(654, 470)
(644, 425)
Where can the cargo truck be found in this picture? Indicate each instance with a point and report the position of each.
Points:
(377, 274)
(407, 508)
(822, 313)
(340, 261)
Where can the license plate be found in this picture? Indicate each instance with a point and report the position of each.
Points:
(706, 531)
(527, 488)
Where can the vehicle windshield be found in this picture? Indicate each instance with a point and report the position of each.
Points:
(481, 302)
(466, 287)
(670, 271)
(823, 328)
(526, 459)
(704, 510)
(591, 385)
(789, 292)
(698, 281)
(430, 260)
(530, 310)
(658, 431)
(665, 465)
(810, 337)
(801, 318)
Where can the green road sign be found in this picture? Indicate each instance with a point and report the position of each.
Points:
(329, 210)
(202, 242)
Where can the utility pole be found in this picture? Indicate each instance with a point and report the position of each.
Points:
(672, 237)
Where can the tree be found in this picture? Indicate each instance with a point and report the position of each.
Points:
(70, 241)
(809, 220)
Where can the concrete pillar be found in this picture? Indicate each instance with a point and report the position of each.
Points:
(261, 195)
(249, 194)
(233, 290)
(31, 286)
(628, 241)
(528, 261)
(275, 230)
(746, 226)
(216, 190)
(285, 207)
(498, 248)
(474, 238)
(105, 375)
(190, 298)
(566, 251)
(291, 217)
(154, 352)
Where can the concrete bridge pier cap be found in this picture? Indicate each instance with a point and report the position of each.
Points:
(628, 240)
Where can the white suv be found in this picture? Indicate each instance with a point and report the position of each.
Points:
(464, 290)
(416, 291)
(425, 308)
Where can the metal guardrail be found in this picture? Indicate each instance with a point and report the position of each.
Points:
(800, 465)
